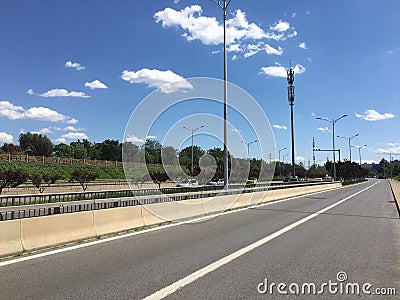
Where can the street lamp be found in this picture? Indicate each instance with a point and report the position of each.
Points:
(279, 151)
(290, 80)
(333, 122)
(223, 4)
(248, 146)
(192, 130)
(359, 152)
(283, 158)
(349, 139)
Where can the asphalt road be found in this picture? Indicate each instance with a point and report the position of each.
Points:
(309, 239)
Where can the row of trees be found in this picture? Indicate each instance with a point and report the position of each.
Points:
(14, 178)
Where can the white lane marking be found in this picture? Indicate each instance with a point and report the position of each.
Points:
(105, 240)
(161, 294)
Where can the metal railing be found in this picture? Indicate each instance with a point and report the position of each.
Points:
(26, 206)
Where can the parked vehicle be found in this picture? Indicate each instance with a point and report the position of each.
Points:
(188, 183)
(318, 179)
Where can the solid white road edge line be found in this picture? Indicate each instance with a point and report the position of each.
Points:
(113, 238)
(161, 294)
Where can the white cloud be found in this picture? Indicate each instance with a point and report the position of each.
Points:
(234, 48)
(303, 45)
(71, 128)
(209, 31)
(61, 140)
(215, 51)
(74, 136)
(280, 71)
(134, 139)
(301, 158)
(393, 144)
(74, 65)
(309, 59)
(167, 81)
(14, 112)
(151, 137)
(271, 50)
(96, 84)
(323, 129)
(63, 93)
(6, 138)
(30, 92)
(280, 127)
(280, 26)
(373, 115)
(43, 131)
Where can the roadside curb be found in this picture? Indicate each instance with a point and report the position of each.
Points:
(396, 197)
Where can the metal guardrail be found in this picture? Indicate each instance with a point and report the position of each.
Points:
(74, 204)
(16, 200)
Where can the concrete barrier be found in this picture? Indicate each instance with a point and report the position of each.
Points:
(10, 237)
(35, 233)
(52, 230)
(159, 213)
(118, 219)
(190, 208)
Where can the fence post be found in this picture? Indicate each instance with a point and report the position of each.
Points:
(43, 159)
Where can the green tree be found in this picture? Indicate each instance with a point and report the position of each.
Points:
(152, 150)
(185, 156)
(43, 181)
(12, 179)
(218, 154)
(35, 144)
(62, 150)
(109, 150)
(83, 177)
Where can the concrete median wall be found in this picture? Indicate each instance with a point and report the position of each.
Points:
(34, 233)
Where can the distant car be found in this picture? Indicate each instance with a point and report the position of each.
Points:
(286, 179)
(293, 179)
(188, 183)
(318, 179)
(212, 183)
(220, 182)
(251, 182)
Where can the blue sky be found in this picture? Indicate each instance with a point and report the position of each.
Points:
(78, 69)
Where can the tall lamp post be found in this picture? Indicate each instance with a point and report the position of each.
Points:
(333, 122)
(349, 139)
(279, 151)
(359, 152)
(290, 80)
(192, 131)
(283, 158)
(248, 146)
(223, 4)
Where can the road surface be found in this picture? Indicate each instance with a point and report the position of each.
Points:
(352, 233)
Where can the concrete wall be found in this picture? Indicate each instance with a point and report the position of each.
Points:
(34, 233)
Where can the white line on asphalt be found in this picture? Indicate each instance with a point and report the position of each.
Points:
(113, 238)
(161, 294)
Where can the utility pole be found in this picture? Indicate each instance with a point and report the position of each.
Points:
(290, 80)
(313, 154)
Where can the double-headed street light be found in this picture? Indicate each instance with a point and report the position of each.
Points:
(349, 139)
(359, 151)
(279, 151)
(192, 130)
(248, 146)
(333, 122)
(223, 4)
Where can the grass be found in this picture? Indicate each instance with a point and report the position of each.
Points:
(353, 181)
